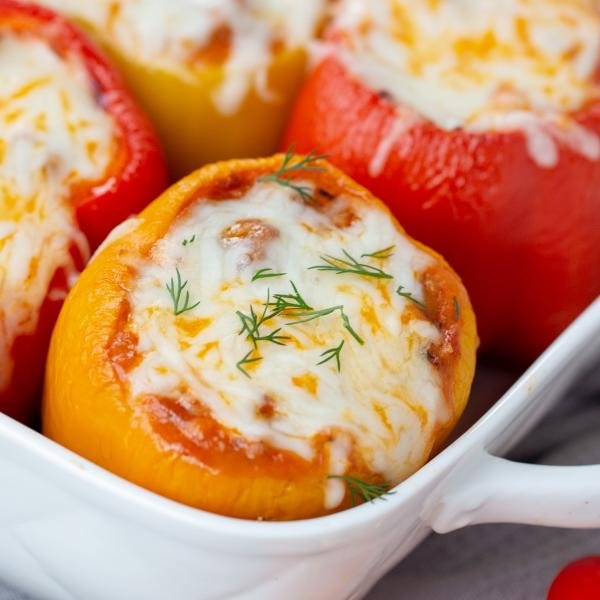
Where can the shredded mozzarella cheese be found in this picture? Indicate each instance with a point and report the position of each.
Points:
(386, 402)
(53, 135)
(171, 34)
(481, 64)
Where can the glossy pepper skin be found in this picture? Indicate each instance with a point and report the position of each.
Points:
(136, 176)
(524, 239)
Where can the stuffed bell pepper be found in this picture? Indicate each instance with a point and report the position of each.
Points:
(264, 342)
(76, 158)
(217, 78)
(479, 124)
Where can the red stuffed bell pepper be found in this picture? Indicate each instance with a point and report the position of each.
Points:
(480, 128)
(76, 158)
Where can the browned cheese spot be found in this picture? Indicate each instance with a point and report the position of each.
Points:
(253, 232)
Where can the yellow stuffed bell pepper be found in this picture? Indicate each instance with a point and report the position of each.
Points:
(264, 341)
(217, 80)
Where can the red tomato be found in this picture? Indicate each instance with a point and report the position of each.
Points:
(525, 240)
(135, 177)
(579, 580)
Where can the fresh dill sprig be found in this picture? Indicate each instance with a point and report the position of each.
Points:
(380, 254)
(311, 315)
(303, 163)
(456, 309)
(265, 274)
(245, 361)
(295, 307)
(409, 296)
(362, 490)
(333, 353)
(350, 265)
(251, 324)
(287, 302)
(350, 329)
(273, 337)
(189, 241)
(176, 288)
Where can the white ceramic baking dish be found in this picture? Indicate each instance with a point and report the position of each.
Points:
(70, 530)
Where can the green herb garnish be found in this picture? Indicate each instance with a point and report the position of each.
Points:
(288, 302)
(176, 289)
(294, 306)
(362, 490)
(247, 360)
(350, 329)
(311, 315)
(305, 163)
(456, 308)
(189, 241)
(251, 324)
(333, 353)
(273, 337)
(265, 274)
(342, 266)
(380, 254)
(409, 296)
(305, 317)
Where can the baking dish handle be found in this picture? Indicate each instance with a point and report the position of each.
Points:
(488, 489)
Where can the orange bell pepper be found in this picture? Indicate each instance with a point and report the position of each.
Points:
(174, 443)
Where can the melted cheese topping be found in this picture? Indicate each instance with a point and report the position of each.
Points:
(177, 35)
(53, 135)
(387, 400)
(481, 64)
